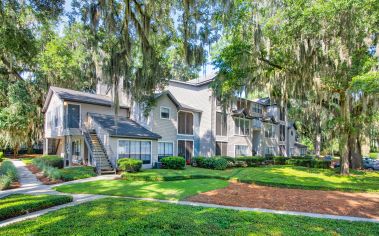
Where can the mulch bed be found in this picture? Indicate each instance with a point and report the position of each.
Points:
(32, 168)
(14, 185)
(314, 201)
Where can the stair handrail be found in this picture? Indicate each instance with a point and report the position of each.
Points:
(85, 132)
(101, 133)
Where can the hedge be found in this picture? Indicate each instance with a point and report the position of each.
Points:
(20, 204)
(51, 160)
(176, 163)
(310, 163)
(129, 164)
(48, 170)
(248, 161)
(216, 163)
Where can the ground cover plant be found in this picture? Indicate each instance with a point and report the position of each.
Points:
(20, 204)
(77, 172)
(280, 176)
(172, 190)
(8, 174)
(112, 216)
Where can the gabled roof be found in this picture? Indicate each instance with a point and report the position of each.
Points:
(122, 127)
(199, 81)
(179, 106)
(300, 145)
(78, 96)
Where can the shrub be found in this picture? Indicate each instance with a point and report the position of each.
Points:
(51, 172)
(129, 164)
(245, 161)
(54, 161)
(175, 163)
(1, 156)
(7, 168)
(5, 182)
(20, 204)
(217, 163)
(280, 160)
(321, 164)
(306, 162)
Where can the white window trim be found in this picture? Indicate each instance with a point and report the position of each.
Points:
(218, 141)
(273, 148)
(173, 145)
(247, 149)
(129, 139)
(193, 145)
(193, 125)
(66, 113)
(235, 131)
(169, 113)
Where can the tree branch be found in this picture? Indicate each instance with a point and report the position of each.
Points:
(270, 63)
(9, 67)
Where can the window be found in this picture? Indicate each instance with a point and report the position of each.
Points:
(270, 131)
(165, 113)
(185, 149)
(221, 149)
(269, 151)
(282, 136)
(185, 123)
(221, 124)
(140, 150)
(240, 150)
(257, 108)
(242, 126)
(292, 151)
(282, 114)
(282, 149)
(303, 151)
(165, 149)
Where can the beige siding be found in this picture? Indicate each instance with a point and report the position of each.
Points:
(167, 128)
(55, 103)
(199, 97)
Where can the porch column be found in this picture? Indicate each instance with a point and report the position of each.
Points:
(69, 150)
(46, 146)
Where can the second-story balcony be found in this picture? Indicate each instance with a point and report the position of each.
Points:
(256, 124)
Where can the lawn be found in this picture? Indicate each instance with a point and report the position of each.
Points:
(20, 204)
(133, 217)
(280, 176)
(171, 190)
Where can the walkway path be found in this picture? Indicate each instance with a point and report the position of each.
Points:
(30, 185)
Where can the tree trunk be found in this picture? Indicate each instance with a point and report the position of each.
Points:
(356, 154)
(344, 139)
(15, 151)
(30, 147)
(317, 144)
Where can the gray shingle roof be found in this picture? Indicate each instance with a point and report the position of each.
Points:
(179, 105)
(125, 128)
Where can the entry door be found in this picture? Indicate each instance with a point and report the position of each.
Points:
(73, 115)
(185, 149)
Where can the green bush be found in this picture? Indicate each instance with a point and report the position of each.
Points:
(79, 172)
(310, 163)
(129, 164)
(217, 163)
(1, 156)
(279, 160)
(374, 155)
(20, 204)
(175, 163)
(5, 182)
(52, 172)
(51, 160)
(248, 161)
(7, 168)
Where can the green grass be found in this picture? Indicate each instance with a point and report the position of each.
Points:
(27, 160)
(172, 190)
(20, 204)
(374, 155)
(132, 217)
(279, 176)
(79, 172)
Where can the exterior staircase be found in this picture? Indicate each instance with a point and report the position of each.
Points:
(103, 164)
